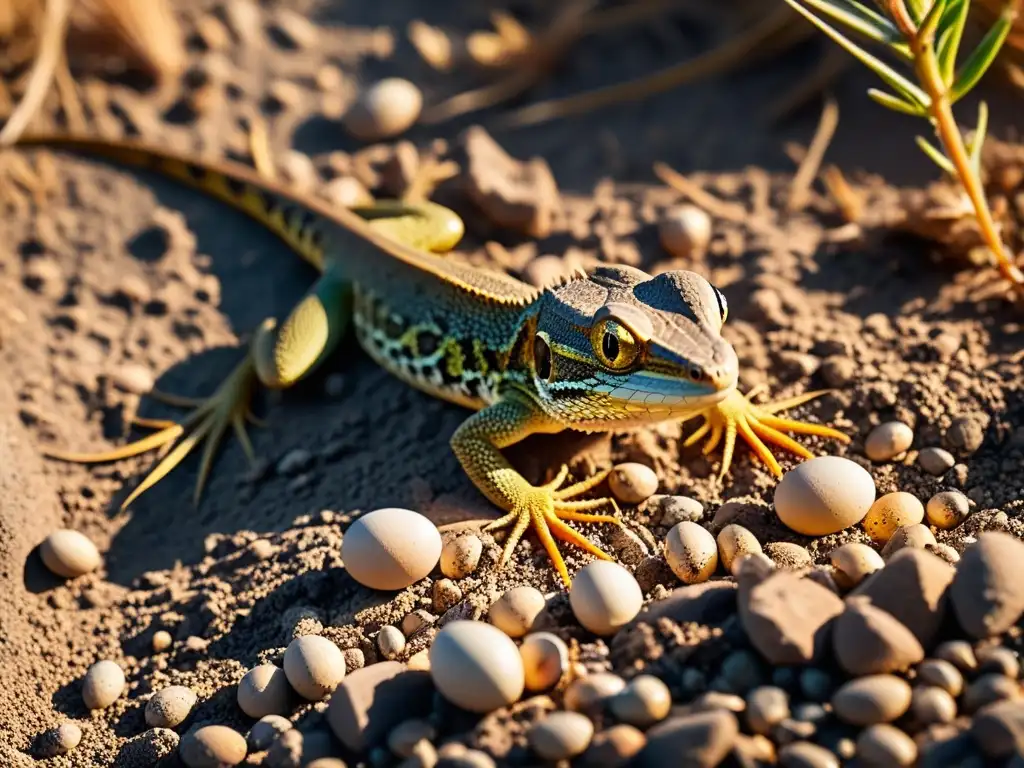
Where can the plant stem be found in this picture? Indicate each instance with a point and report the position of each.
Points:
(948, 131)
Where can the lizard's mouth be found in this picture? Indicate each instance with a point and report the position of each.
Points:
(653, 397)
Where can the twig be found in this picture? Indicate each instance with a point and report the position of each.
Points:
(800, 191)
(51, 47)
(259, 145)
(69, 97)
(713, 205)
(742, 47)
(851, 206)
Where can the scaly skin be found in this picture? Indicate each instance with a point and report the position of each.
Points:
(613, 350)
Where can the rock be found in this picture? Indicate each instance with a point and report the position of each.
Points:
(708, 603)
(767, 706)
(787, 618)
(644, 701)
(704, 738)
(476, 666)
(590, 694)
(988, 590)
(868, 641)
(935, 461)
(134, 378)
(266, 731)
(390, 642)
(930, 705)
(885, 745)
(632, 483)
(560, 735)
(170, 707)
(612, 748)
(404, 739)
(461, 555)
(678, 509)
(966, 434)
(998, 729)
(912, 587)
(314, 666)
(888, 440)
(69, 554)
(371, 701)
(988, 689)
(515, 612)
(804, 754)
(735, 541)
(149, 747)
(102, 685)
(942, 674)
(853, 562)
(916, 536)
(691, 552)
(786, 554)
(212, 746)
(999, 659)
(264, 691)
(514, 195)
(872, 699)
(60, 740)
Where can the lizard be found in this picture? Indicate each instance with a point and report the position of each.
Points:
(612, 350)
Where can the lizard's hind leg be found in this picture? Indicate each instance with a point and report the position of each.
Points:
(278, 357)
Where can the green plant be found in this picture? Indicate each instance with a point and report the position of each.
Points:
(926, 37)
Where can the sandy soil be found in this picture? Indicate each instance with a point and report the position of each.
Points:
(111, 274)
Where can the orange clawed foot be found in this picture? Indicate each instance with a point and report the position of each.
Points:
(757, 425)
(547, 509)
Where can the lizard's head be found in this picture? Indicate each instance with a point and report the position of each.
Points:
(620, 348)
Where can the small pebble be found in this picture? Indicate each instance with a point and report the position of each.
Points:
(170, 706)
(872, 699)
(854, 562)
(545, 660)
(60, 740)
(266, 731)
(892, 511)
(999, 729)
(685, 230)
(947, 509)
(998, 659)
(824, 495)
(941, 674)
(735, 541)
(986, 592)
(404, 738)
(417, 621)
(590, 694)
(868, 640)
(917, 536)
(446, 593)
(102, 685)
(314, 666)
(644, 701)
(162, 640)
(936, 461)
(515, 611)
(691, 552)
(767, 706)
(476, 666)
(347, 192)
(212, 746)
(786, 554)
(390, 549)
(804, 754)
(888, 440)
(69, 554)
(294, 462)
(560, 735)
(385, 109)
(390, 642)
(605, 597)
(959, 653)
(612, 747)
(678, 509)
(264, 691)
(988, 689)
(706, 736)
(885, 745)
(931, 705)
(632, 483)
(461, 555)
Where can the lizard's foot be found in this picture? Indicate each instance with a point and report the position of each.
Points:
(209, 420)
(548, 509)
(758, 424)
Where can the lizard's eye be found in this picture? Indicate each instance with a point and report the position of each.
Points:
(723, 305)
(542, 358)
(614, 345)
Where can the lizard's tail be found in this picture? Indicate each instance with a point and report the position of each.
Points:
(292, 219)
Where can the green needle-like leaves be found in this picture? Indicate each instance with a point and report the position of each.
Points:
(952, 26)
(979, 137)
(982, 57)
(936, 155)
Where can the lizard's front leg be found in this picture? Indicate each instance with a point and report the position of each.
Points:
(478, 442)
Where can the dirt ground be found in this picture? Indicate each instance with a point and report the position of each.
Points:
(111, 273)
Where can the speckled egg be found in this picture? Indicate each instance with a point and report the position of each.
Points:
(891, 512)
(390, 549)
(824, 495)
(476, 666)
(691, 552)
(385, 109)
